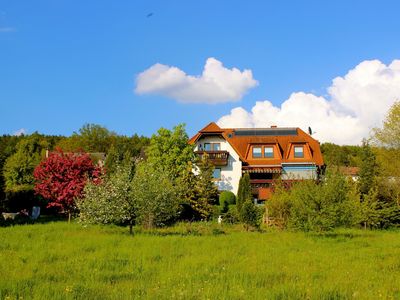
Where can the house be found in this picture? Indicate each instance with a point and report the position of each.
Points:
(267, 154)
(350, 172)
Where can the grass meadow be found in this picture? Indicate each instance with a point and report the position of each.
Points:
(201, 261)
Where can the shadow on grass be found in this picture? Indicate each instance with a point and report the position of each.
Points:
(180, 232)
(341, 235)
(22, 220)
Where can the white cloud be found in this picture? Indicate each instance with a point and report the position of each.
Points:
(216, 84)
(20, 132)
(355, 104)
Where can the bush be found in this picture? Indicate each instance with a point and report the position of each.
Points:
(312, 206)
(226, 198)
(279, 206)
(250, 214)
(155, 197)
(108, 202)
(231, 216)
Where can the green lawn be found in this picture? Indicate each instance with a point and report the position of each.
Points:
(69, 261)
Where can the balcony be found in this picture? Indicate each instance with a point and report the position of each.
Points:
(217, 158)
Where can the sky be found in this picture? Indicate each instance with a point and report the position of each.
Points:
(136, 66)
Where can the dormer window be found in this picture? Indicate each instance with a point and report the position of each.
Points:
(257, 152)
(268, 152)
(298, 151)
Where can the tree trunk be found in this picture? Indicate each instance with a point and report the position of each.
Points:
(69, 217)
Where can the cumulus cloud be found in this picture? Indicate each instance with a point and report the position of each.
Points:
(354, 105)
(216, 84)
(20, 132)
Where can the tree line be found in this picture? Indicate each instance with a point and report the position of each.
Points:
(159, 180)
(20, 155)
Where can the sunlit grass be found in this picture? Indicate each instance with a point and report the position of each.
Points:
(60, 260)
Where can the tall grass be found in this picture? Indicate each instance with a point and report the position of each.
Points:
(68, 261)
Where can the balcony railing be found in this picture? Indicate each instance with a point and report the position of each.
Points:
(217, 158)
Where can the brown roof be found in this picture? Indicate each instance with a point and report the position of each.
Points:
(350, 171)
(242, 143)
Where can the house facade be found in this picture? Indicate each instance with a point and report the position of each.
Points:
(267, 154)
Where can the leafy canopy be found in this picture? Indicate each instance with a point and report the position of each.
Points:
(154, 197)
(62, 176)
(169, 151)
(18, 168)
(110, 201)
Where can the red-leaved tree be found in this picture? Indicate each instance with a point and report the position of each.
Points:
(62, 176)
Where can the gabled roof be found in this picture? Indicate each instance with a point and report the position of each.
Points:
(241, 140)
(211, 128)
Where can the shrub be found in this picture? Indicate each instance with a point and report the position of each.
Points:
(155, 197)
(109, 202)
(226, 198)
(231, 216)
(278, 206)
(249, 214)
(244, 191)
(312, 206)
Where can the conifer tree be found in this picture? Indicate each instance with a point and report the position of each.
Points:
(206, 189)
(248, 214)
(244, 191)
(368, 169)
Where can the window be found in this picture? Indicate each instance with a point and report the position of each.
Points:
(217, 174)
(257, 152)
(268, 152)
(298, 151)
(212, 146)
(216, 146)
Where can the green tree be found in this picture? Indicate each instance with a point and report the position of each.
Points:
(18, 168)
(7, 148)
(321, 207)
(95, 138)
(169, 151)
(389, 135)
(154, 196)
(369, 209)
(312, 206)
(247, 211)
(90, 138)
(207, 191)
(249, 214)
(226, 198)
(111, 201)
(368, 169)
(387, 139)
(244, 191)
(188, 193)
(335, 155)
(278, 207)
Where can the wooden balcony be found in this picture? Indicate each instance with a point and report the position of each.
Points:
(217, 158)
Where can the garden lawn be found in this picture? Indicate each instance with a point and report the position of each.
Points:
(69, 261)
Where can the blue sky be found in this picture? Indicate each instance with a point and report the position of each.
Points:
(66, 63)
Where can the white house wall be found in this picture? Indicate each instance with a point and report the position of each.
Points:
(231, 173)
